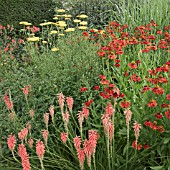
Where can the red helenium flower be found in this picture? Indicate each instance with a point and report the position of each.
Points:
(152, 103)
(124, 104)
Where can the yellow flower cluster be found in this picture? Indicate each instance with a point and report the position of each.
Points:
(58, 27)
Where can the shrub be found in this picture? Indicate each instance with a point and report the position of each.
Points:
(33, 11)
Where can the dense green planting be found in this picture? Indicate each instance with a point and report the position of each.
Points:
(34, 11)
(74, 97)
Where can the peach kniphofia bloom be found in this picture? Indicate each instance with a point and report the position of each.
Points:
(11, 141)
(40, 149)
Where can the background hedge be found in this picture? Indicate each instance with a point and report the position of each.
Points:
(34, 11)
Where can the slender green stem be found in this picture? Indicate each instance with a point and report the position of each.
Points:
(113, 144)
(94, 161)
(127, 151)
(108, 150)
(15, 158)
(42, 166)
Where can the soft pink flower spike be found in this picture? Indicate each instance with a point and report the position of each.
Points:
(11, 141)
(77, 142)
(61, 99)
(8, 102)
(46, 119)
(23, 134)
(81, 157)
(25, 90)
(109, 109)
(85, 111)
(51, 110)
(70, 103)
(45, 136)
(22, 152)
(63, 137)
(40, 149)
(128, 115)
(136, 128)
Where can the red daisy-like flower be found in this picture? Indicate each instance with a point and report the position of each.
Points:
(145, 88)
(154, 125)
(88, 103)
(158, 90)
(147, 123)
(85, 34)
(152, 103)
(160, 129)
(146, 146)
(83, 89)
(138, 146)
(158, 115)
(167, 113)
(96, 87)
(168, 96)
(133, 65)
(124, 104)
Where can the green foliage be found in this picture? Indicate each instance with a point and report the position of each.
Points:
(34, 11)
(77, 65)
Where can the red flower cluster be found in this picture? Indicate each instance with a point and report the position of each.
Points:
(110, 91)
(83, 89)
(124, 104)
(152, 103)
(167, 113)
(135, 78)
(88, 103)
(154, 126)
(137, 146)
(158, 90)
(145, 88)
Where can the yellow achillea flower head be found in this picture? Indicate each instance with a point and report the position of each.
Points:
(55, 49)
(46, 23)
(67, 16)
(82, 16)
(83, 23)
(82, 27)
(53, 32)
(23, 22)
(44, 42)
(60, 10)
(62, 24)
(33, 39)
(76, 20)
(70, 30)
(61, 28)
(55, 18)
(61, 35)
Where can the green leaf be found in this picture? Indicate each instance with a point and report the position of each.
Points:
(166, 140)
(125, 149)
(156, 167)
